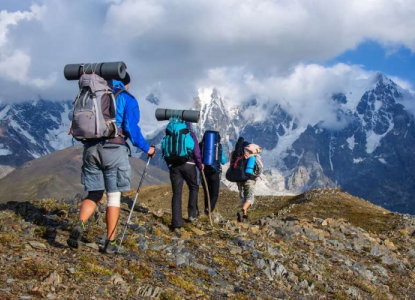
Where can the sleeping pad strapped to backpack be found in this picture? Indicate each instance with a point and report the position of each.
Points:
(211, 152)
(236, 171)
(177, 145)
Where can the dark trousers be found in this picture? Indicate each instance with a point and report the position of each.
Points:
(213, 183)
(178, 174)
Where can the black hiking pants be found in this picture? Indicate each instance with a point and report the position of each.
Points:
(213, 183)
(178, 174)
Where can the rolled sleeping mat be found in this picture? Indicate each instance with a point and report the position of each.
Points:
(191, 116)
(107, 70)
(209, 149)
(250, 165)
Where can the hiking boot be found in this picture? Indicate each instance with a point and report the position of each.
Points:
(110, 247)
(76, 235)
(177, 231)
(245, 218)
(239, 216)
(192, 219)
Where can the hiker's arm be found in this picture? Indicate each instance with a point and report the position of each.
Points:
(223, 157)
(196, 152)
(133, 131)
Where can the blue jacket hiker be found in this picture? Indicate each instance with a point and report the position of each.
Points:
(106, 165)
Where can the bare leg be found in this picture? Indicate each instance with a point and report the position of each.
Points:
(113, 214)
(245, 207)
(87, 209)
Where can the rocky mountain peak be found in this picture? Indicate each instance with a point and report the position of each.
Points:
(214, 114)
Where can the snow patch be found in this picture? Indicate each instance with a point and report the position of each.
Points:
(382, 160)
(351, 142)
(59, 138)
(358, 160)
(378, 105)
(373, 140)
(18, 128)
(5, 152)
(4, 111)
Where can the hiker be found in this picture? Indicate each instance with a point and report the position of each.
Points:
(245, 169)
(106, 166)
(182, 165)
(213, 156)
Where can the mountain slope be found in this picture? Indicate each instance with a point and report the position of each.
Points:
(324, 244)
(58, 175)
(32, 129)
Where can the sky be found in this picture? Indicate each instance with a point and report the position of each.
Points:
(293, 52)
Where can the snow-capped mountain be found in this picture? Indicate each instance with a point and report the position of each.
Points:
(371, 156)
(32, 129)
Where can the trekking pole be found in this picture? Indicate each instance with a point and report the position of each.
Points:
(135, 200)
(208, 196)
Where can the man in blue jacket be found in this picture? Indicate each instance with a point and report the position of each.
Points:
(106, 166)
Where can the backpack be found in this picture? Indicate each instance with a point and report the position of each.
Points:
(178, 144)
(236, 171)
(94, 109)
(211, 151)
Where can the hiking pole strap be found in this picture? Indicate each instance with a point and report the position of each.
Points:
(135, 200)
(208, 196)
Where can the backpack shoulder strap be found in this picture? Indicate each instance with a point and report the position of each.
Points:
(121, 91)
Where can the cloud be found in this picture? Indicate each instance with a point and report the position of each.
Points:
(172, 47)
(305, 93)
(15, 63)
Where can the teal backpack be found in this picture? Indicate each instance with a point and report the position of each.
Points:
(178, 144)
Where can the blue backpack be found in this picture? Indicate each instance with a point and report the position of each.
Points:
(177, 145)
(211, 151)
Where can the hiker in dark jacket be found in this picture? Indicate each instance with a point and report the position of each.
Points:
(185, 172)
(213, 174)
(106, 167)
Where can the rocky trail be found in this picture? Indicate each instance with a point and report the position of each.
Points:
(324, 244)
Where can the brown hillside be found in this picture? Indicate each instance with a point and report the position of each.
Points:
(323, 244)
(321, 204)
(58, 175)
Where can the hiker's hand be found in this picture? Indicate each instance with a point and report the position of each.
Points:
(256, 178)
(202, 167)
(152, 151)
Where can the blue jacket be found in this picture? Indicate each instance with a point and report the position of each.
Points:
(128, 116)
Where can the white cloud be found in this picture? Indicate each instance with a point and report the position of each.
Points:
(133, 18)
(15, 63)
(245, 46)
(305, 93)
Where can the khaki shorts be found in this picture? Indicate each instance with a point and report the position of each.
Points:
(106, 167)
(247, 191)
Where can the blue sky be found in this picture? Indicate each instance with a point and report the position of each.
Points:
(372, 56)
